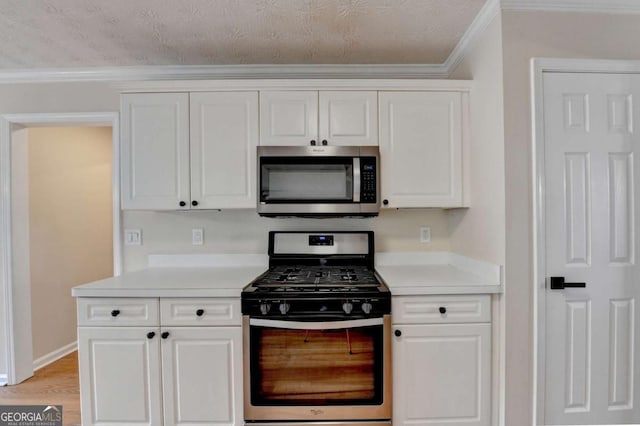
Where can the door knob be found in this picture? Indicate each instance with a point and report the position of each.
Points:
(557, 283)
(313, 142)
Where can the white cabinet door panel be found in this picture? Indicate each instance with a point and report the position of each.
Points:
(155, 150)
(442, 375)
(120, 376)
(421, 149)
(348, 118)
(201, 377)
(288, 118)
(224, 137)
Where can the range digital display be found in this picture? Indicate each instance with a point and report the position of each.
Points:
(320, 240)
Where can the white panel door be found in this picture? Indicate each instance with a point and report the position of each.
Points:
(421, 149)
(591, 206)
(155, 151)
(224, 137)
(120, 375)
(442, 375)
(202, 375)
(288, 118)
(348, 118)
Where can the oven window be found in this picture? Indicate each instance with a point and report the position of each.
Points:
(306, 179)
(315, 367)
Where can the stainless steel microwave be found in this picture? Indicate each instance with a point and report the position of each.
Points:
(318, 181)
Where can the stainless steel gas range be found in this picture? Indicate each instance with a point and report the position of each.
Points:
(316, 331)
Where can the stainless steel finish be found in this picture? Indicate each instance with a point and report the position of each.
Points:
(315, 325)
(356, 180)
(308, 151)
(298, 243)
(316, 413)
(355, 208)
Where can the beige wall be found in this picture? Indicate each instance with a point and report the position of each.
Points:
(526, 35)
(70, 225)
(479, 231)
(243, 231)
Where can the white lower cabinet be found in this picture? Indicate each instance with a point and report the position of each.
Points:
(119, 376)
(201, 383)
(160, 374)
(441, 373)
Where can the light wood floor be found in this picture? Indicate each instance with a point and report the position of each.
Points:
(55, 384)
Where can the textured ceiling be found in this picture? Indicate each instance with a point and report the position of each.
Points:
(90, 33)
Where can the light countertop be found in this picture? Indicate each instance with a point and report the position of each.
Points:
(226, 275)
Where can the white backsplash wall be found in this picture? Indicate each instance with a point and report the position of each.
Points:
(243, 231)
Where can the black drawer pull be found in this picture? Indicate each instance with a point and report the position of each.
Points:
(115, 312)
(150, 335)
(165, 334)
(442, 310)
(398, 333)
(200, 312)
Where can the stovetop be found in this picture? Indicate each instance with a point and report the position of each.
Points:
(314, 275)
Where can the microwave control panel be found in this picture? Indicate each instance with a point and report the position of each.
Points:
(368, 174)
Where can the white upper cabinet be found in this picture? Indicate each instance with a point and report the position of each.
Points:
(288, 118)
(155, 150)
(224, 137)
(337, 117)
(184, 151)
(421, 149)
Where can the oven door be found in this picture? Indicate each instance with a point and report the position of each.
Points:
(327, 370)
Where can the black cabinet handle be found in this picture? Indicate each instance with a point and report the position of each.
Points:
(324, 142)
(165, 334)
(557, 283)
(442, 310)
(115, 312)
(194, 203)
(200, 312)
(182, 204)
(313, 142)
(385, 202)
(398, 333)
(150, 335)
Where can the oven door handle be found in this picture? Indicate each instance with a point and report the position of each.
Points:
(315, 325)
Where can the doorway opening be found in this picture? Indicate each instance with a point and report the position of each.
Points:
(61, 224)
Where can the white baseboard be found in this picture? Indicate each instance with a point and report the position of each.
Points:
(54, 355)
(4, 380)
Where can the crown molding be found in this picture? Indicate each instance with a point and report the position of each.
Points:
(590, 6)
(480, 23)
(224, 72)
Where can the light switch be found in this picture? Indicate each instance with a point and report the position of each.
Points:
(133, 237)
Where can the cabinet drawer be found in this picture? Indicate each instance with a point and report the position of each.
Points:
(441, 309)
(117, 311)
(200, 311)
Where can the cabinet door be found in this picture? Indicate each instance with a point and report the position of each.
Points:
(119, 376)
(442, 375)
(288, 118)
(155, 151)
(421, 149)
(202, 375)
(348, 118)
(224, 137)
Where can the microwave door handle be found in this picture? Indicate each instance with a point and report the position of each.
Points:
(356, 179)
(315, 325)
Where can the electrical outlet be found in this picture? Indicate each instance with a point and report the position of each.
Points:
(425, 234)
(197, 236)
(133, 237)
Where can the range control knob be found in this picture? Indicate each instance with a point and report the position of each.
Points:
(366, 308)
(284, 308)
(347, 307)
(265, 308)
